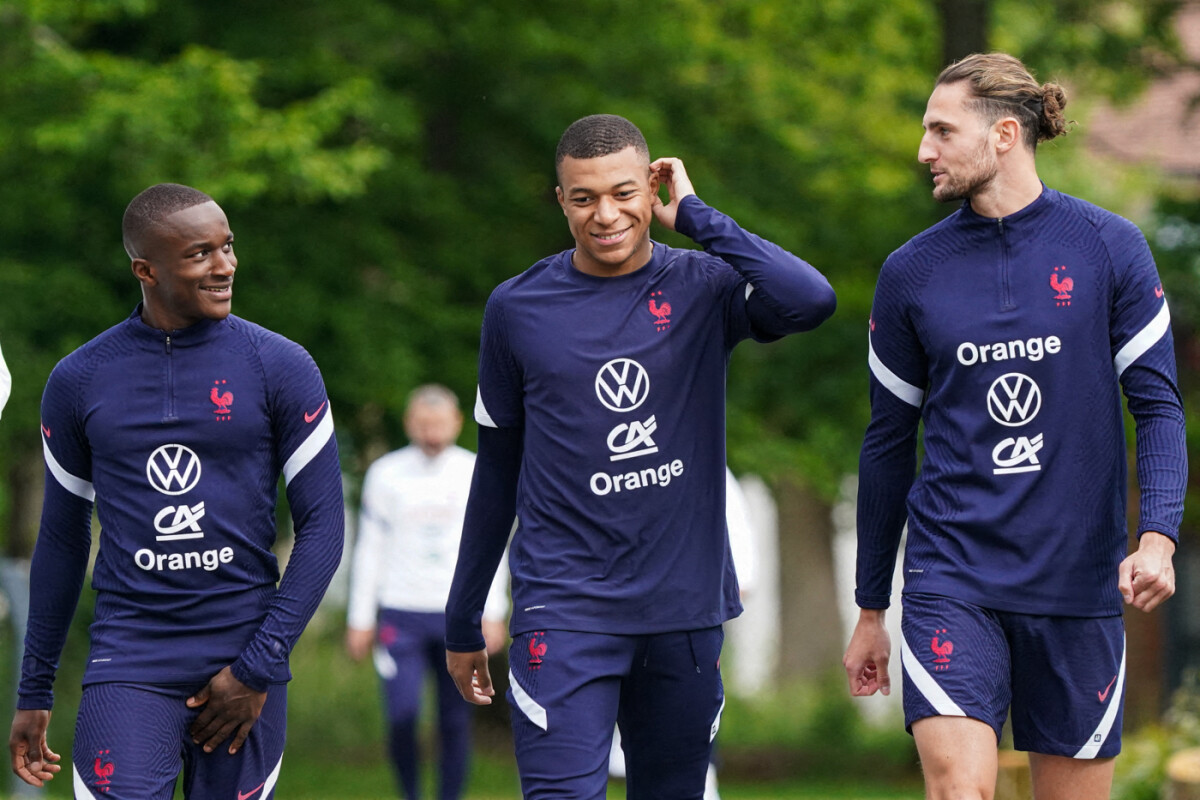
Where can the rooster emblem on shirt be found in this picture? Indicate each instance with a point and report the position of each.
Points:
(662, 313)
(1062, 286)
(221, 399)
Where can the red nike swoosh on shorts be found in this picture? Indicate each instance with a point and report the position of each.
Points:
(310, 417)
(1104, 695)
(264, 783)
(46, 431)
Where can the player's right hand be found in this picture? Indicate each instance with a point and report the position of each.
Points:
(359, 642)
(471, 676)
(32, 759)
(867, 655)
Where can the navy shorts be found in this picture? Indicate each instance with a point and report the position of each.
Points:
(132, 742)
(1063, 677)
(567, 689)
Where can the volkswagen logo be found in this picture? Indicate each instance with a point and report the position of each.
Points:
(1014, 399)
(173, 469)
(622, 384)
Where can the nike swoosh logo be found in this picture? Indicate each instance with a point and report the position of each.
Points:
(310, 417)
(46, 431)
(264, 783)
(1104, 695)
(1158, 292)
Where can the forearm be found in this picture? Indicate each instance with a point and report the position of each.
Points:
(1162, 461)
(57, 573)
(315, 497)
(887, 466)
(491, 509)
(789, 295)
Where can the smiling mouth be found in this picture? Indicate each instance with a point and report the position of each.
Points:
(610, 238)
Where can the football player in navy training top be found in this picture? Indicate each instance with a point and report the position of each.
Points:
(601, 408)
(1009, 329)
(177, 423)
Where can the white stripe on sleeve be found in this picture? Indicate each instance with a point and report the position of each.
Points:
(481, 413)
(891, 381)
(74, 485)
(1146, 338)
(309, 448)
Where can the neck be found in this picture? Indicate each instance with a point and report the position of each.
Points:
(1008, 193)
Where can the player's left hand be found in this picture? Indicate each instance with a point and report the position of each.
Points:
(230, 708)
(1147, 577)
(670, 173)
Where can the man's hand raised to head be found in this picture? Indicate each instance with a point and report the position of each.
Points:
(670, 173)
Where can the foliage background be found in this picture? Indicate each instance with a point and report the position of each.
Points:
(385, 163)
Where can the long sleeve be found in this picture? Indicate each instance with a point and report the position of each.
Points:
(1144, 360)
(64, 541)
(887, 462)
(785, 294)
(314, 491)
(490, 512)
(368, 557)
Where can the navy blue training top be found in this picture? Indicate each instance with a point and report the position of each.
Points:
(614, 389)
(1011, 340)
(179, 438)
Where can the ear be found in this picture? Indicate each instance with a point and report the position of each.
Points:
(144, 271)
(562, 198)
(653, 181)
(1008, 134)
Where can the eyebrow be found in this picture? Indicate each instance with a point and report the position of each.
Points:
(626, 182)
(207, 243)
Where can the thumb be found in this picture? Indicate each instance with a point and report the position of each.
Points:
(1125, 580)
(199, 698)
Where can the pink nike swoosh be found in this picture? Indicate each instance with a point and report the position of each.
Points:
(46, 431)
(1158, 292)
(264, 783)
(310, 417)
(1104, 695)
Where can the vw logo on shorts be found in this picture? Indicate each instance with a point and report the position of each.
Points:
(173, 469)
(622, 384)
(1014, 399)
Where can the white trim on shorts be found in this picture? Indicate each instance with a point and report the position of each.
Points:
(1100, 735)
(926, 685)
(530, 707)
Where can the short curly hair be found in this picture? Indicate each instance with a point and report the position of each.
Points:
(599, 135)
(151, 207)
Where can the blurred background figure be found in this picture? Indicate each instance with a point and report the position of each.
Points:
(413, 501)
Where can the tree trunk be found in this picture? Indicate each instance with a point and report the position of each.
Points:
(811, 642)
(964, 28)
(25, 475)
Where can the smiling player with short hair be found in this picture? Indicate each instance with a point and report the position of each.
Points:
(601, 408)
(177, 424)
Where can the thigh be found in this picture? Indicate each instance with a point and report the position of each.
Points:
(1068, 685)
(252, 773)
(402, 657)
(958, 757)
(563, 691)
(1062, 778)
(955, 660)
(670, 712)
(129, 742)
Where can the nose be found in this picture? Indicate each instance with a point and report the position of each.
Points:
(225, 263)
(606, 210)
(926, 153)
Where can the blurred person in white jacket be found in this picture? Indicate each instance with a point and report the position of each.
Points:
(413, 502)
